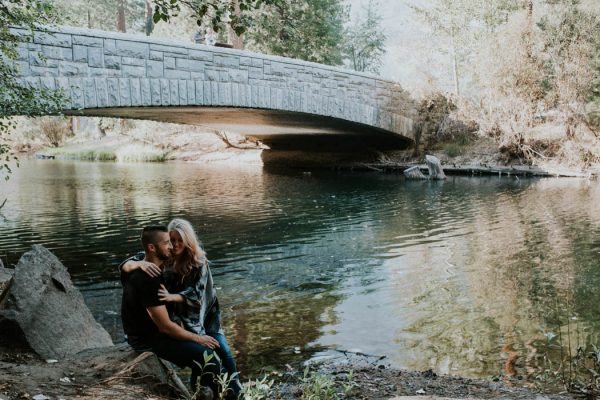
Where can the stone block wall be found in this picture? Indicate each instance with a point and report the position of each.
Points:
(98, 69)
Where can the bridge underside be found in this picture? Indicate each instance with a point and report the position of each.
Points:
(281, 130)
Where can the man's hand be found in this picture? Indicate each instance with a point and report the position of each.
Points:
(164, 295)
(160, 317)
(208, 341)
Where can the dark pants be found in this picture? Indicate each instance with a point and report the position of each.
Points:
(191, 354)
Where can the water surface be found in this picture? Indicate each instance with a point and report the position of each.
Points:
(458, 276)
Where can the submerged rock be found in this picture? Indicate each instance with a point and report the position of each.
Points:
(42, 309)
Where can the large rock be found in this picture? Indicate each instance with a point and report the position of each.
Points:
(42, 308)
(5, 279)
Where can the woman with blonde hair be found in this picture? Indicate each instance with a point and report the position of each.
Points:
(189, 290)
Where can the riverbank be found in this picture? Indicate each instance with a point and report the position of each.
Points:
(109, 139)
(24, 375)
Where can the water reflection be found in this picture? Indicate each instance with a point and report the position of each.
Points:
(469, 276)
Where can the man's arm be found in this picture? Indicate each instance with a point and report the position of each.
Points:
(160, 317)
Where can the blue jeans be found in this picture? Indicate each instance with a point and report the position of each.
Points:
(227, 360)
(191, 354)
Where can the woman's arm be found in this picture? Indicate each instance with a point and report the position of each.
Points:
(148, 267)
(164, 295)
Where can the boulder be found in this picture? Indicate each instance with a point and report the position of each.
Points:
(42, 308)
(5, 278)
(435, 167)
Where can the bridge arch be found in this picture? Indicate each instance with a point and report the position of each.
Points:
(269, 97)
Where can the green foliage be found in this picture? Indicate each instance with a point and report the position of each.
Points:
(366, 40)
(317, 386)
(219, 12)
(260, 389)
(311, 30)
(103, 14)
(17, 97)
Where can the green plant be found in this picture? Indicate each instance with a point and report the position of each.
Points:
(317, 387)
(260, 389)
(349, 384)
(207, 358)
(223, 380)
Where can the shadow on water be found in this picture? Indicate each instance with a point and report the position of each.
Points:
(468, 276)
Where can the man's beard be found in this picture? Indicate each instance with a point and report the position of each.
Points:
(163, 256)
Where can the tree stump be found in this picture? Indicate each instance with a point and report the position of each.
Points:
(435, 167)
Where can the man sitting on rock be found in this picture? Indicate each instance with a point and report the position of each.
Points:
(146, 321)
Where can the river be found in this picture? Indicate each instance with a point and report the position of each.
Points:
(460, 276)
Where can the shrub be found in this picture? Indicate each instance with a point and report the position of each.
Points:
(55, 129)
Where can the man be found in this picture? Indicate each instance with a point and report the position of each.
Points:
(146, 319)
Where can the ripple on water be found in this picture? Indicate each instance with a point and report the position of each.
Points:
(441, 275)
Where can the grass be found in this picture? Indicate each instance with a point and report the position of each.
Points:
(82, 154)
(140, 153)
(128, 153)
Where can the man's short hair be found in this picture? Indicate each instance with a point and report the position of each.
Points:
(150, 234)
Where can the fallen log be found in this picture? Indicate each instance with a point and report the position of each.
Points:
(414, 173)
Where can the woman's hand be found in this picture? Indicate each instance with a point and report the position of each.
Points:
(149, 268)
(164, 295)
(208, 341)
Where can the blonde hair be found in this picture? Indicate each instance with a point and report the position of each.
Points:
(193, 256)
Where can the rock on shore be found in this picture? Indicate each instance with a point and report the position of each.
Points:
(42, 306)
(51, 346)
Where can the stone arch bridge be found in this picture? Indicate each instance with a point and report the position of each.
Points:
(284, 102)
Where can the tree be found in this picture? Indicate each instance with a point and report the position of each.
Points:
(230, 12)
(120, 15)
(366, 40)
(458, 23)
(16, 97)
(311, 30)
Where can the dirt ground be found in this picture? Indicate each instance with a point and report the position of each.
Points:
(23, 375)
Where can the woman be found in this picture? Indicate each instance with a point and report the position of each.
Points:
(189, 292)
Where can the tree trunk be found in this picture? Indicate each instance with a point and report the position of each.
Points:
(528, 29)
(121, 17)
(149, 18)
(236, 41)
(435, 167)
(455, 70)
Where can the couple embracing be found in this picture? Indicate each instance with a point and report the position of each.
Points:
(170, 306)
